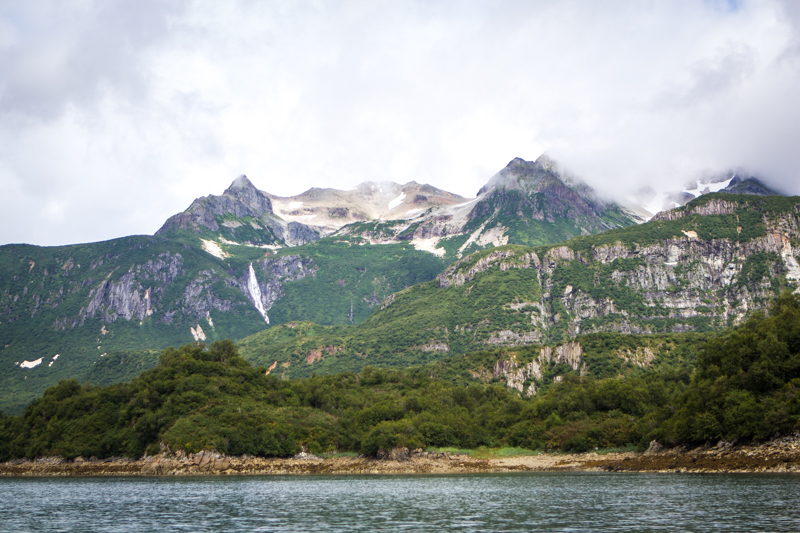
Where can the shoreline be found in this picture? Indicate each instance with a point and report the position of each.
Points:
(780, 455)
(210, 463)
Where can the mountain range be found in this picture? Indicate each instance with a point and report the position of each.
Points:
(386, 274)
(647, 202)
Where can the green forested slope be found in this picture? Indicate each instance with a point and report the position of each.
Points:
(746, 386)
(112, 301)
(46, 308)
(352, 281)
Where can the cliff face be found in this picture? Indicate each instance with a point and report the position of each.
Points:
(127, 297)
(145, 289)
(517, 374)
(634, 288)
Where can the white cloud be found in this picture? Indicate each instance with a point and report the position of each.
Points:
(115, 115)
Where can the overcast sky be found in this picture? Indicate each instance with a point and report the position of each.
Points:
(116, 115)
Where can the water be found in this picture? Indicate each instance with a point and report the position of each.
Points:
(493, 502)
(255, 293)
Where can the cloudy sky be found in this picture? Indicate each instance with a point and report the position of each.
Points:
(114, 115)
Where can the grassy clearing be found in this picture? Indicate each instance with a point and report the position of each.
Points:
(622, 449)
(334, 455)
(486, 453)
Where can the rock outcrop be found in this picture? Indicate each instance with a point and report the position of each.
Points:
(127, 297)
(275, 272)
(672, 285)
(517, 375)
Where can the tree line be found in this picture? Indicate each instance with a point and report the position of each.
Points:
(745, 386)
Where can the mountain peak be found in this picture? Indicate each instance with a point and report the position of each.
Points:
(243, 190)
(540, 191)
(240, 183)
(546, 162)
(241, 199)
(522, 174)
(749, 185)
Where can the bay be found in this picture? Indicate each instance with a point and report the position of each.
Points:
(573, 502)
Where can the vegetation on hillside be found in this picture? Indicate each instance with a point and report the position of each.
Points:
(433, 320)
(44, 299)
(45, 293)
(352, 280)
(44, 290)
(200, 398)
(746, 386)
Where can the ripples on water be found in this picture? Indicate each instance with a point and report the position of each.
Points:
(495, 502)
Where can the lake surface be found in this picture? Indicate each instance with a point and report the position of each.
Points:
(491, 502)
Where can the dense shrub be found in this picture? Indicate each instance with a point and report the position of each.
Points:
(746, 384)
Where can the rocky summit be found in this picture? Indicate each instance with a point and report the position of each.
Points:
(241, 215)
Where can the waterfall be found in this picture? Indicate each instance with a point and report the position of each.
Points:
(255, 293)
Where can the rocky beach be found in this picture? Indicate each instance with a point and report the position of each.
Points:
(780, 455)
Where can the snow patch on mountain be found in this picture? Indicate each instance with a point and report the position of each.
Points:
(429, 245)
(214, 249)
(31, 364)
(397, 201)
(707, 187)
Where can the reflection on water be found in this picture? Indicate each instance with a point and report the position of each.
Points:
(492, 502)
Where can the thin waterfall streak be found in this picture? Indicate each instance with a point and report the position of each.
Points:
(255, 293)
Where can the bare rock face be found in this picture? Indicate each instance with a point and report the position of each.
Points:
(507, 337)
(456, 275)
(641, 357)
(242, 200)
(516, 375)
(247, 195)
(126, 297)
(655, 447)
(715, 206)
(140, 292)
(569, 353)
(395, 454)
